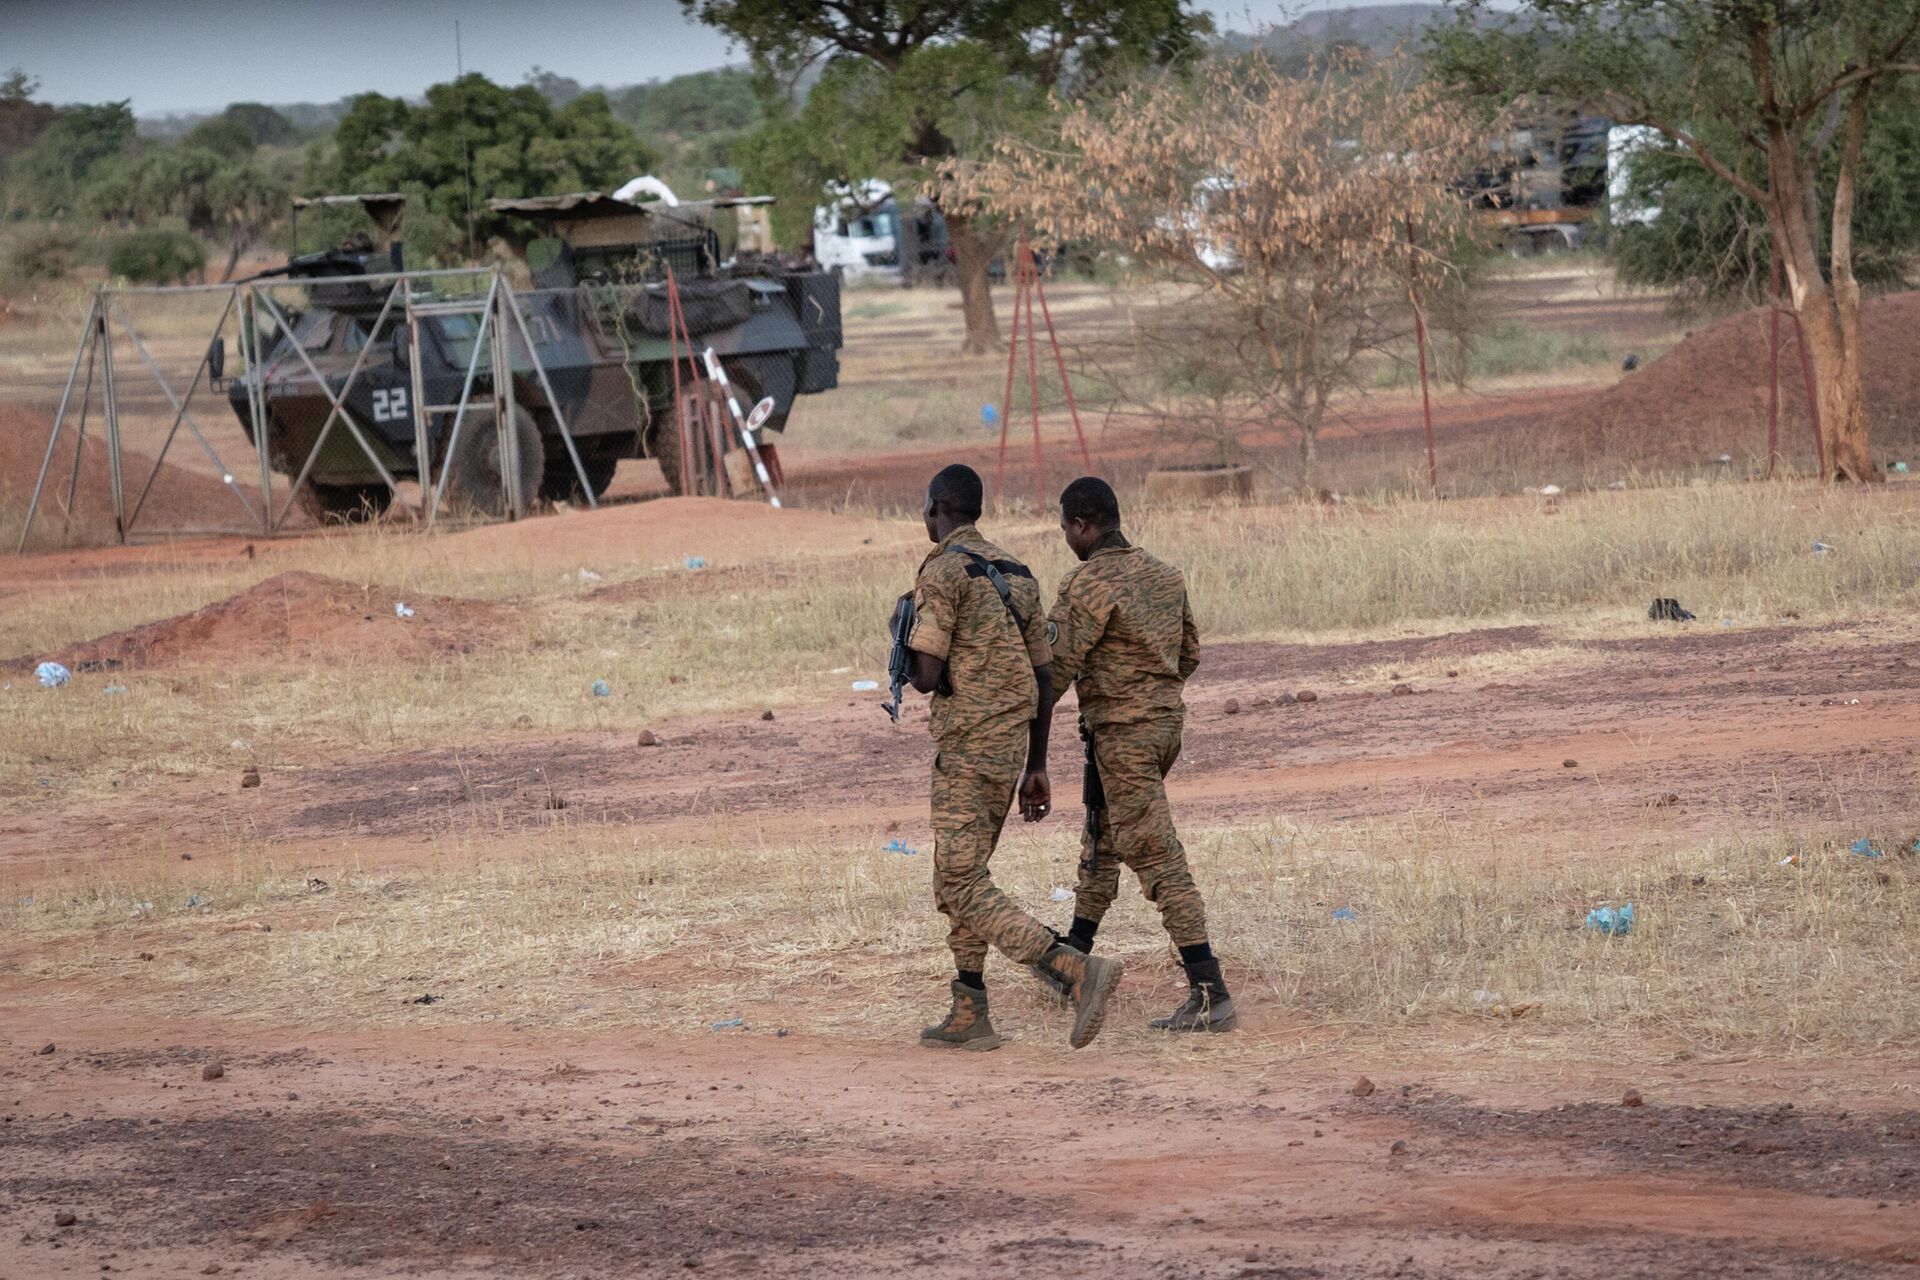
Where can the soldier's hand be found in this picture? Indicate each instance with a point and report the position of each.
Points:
(1036, 795)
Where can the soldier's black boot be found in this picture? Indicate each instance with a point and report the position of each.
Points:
(967, 1025)
(1090, 980)
(1209, 1005)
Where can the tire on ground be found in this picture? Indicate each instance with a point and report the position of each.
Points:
(473, 473)
(345, 503)
(663, 441)
(561, 483)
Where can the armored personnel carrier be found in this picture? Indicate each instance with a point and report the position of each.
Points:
(598, 318)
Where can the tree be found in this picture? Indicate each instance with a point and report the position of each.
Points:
(49, 177)
(909, 84)
(22, 120)
(155, 256)
(1300, 208)
(224, 136)
(266, 126)
(1710, 243)
(511, 140)
(557, 89)
(1771, 98)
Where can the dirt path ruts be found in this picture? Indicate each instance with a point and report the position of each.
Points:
(1693, 730)
(473, 1152)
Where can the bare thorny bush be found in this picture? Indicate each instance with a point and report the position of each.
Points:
(1297, 214)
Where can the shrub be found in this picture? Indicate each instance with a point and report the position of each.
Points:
(156, 256)
(44, 255)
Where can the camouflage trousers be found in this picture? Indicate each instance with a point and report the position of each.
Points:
(973, 786)
(1129, 822)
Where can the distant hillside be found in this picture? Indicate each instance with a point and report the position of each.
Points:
(1376, 28)
(311, 119)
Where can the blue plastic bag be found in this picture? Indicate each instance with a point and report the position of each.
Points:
(1345, 915)
(1866, 848)
(52, 674)
(1610, 921)
(901, 847)
(989, 416)
(601, 689)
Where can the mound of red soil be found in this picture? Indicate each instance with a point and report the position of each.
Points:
(1708, 396)
(299, 616)
(179, 500)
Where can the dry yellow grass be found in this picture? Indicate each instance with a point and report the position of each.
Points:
(607, 927)
(765, 635)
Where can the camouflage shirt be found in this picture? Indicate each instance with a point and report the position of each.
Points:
(960, 618)
(1126, 633)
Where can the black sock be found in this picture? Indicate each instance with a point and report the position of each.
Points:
(1080, 937)
(975, 978)
(1197, 953)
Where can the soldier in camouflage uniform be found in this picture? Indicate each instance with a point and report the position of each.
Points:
(985, 658)
(1124, 631)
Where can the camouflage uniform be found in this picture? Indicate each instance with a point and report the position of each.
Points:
(1126, 634)
(980, 728)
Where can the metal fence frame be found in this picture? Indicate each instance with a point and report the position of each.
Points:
(501, 326)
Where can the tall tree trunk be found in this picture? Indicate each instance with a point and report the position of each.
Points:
(1849, 454)
(1829, 314)
(972, 255)
(1832, 326)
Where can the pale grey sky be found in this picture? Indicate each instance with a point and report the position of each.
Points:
(198, 55)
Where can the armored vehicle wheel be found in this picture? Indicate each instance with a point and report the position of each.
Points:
(474, 480)
(345, 503)
(663, 442)
(561, 483)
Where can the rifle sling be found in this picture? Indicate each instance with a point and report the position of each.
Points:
(996, 572)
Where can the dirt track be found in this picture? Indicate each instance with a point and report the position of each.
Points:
(1693, 732)
(461, 1150)
(468, 1153)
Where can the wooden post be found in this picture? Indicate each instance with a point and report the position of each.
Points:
(1773, 359)
(1420, 344)
(1006, 397)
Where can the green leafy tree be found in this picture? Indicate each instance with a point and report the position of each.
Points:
(21, 118)
(511, 139)
(907, 85)
(156, 256)
(50, 177)
(1770, 98)
(557, 89)
(225, 137)
(266, 126)
(1711, 243)
(210, 181)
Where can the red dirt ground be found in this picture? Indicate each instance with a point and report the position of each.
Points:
(1708, 396)
(452, 1149)
(1692, 732)
(464, 1150)
(665, 532)
(302, 616)
(180, 498)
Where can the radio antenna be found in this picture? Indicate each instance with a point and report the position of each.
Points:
(466, 144)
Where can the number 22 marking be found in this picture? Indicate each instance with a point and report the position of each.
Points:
(389, 405)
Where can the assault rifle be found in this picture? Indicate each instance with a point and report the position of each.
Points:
(900, 661)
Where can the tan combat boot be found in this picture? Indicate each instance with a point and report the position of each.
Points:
(967, 1025)
(1090, 980)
